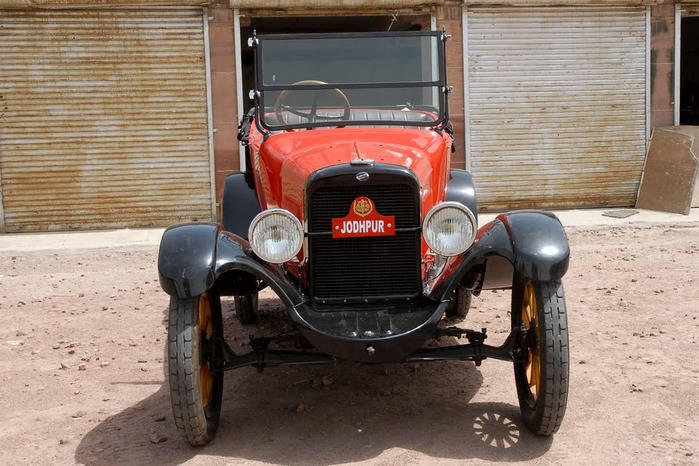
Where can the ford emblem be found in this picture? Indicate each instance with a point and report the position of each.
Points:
(362, 176)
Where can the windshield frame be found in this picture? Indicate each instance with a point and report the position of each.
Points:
(440, 84)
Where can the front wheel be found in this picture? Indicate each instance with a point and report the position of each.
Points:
(539, 309)
(196, 386)
(246, 308)
(460, 302)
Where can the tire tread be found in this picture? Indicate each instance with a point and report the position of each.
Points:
(185, 391)
(546, 419)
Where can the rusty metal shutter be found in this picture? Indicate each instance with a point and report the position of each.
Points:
(103, 119)
(556, 106)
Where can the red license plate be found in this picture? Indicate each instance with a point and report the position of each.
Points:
(363, 220)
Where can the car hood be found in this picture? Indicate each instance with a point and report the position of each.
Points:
(286, 160)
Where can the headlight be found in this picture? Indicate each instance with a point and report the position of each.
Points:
(449, 228)
(275, 236)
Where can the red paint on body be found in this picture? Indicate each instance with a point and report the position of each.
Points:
(286, 160)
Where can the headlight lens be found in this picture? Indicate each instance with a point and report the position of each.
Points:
(276, 236)
(449, 228)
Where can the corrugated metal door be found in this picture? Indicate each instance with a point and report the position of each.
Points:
(556, 106)
(103, 119)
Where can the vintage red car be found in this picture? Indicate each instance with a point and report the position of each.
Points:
(349, 210)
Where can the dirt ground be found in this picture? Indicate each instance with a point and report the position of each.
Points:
(82, 335)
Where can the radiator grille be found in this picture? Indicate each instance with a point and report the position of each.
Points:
(367, 269)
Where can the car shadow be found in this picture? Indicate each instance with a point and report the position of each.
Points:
(327, 415)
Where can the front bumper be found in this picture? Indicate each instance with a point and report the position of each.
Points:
(369, 334)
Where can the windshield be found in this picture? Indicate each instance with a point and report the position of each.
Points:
(313, 80)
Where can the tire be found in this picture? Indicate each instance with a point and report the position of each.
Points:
(460, 303)
(542, 379)
(195, 388)
(246, 308)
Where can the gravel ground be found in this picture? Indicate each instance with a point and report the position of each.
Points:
(82, 340)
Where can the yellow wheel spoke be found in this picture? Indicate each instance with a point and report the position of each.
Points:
(204, 311)
(206, 379)
(531, 323)
(535, 376)
(206, 330)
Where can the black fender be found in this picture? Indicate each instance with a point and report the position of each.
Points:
(460, 188)
(240, 204)
(534, 242)
(195, 257)
(186, 259)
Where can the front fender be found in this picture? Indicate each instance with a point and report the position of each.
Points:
(534, 242)
(239, 205)
(539, 245)
(193, 257)
(460, 189)
(186, 259)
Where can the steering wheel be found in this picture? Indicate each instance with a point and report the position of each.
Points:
(312, 114)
